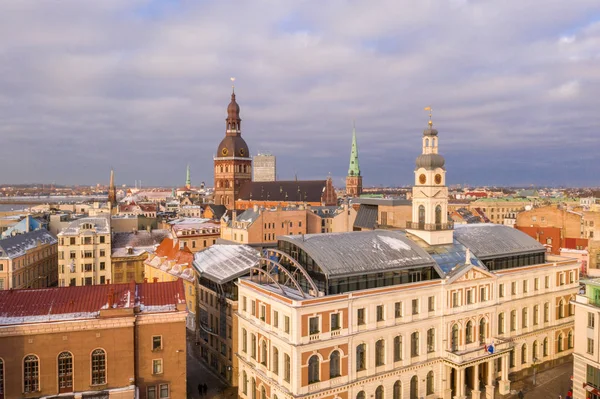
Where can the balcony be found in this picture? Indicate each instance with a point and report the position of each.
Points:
(460, 357)
(430, 226)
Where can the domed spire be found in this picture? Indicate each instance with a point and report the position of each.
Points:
(233, 121)
(430, 159)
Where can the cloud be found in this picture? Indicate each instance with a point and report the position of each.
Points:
(143, 86)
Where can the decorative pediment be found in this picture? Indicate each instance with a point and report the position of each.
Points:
(469, 272)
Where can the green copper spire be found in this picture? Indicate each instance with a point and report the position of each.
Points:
(188, 181)
(354, 168)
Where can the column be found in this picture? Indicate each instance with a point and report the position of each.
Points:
(460, 383)
(504, 386)
(489, 388)
(447, 385)
(475, 393)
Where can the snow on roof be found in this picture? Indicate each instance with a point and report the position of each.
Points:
(354, 253)
(101, 225)
(15, 246)
(222, 263)
(85, 302)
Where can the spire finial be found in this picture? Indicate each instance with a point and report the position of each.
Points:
(232, 85)
(430, 121)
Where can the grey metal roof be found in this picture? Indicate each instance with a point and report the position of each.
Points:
(101, 225)
(354, 253)
(488, 240)
(18, 245)
(141, 241)
(382, 201)
(223, 263)
(366, 217)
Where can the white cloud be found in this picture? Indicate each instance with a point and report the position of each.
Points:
(566, 91)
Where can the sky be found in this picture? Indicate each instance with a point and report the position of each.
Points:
(142, 86)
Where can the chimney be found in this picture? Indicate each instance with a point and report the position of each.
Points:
(111, 297)
(234, 215)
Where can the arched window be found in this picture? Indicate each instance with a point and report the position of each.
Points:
(524, 318)
(397, 390)
(65, 372)
(430, 340)
(98, 367)
(263, 393)
(253, 387)
(545, 347)
(263, 353)
(524, 354)
(500, 323)
(361, 395)
(454, 338)
(253, 346)
(245, 383)
(414, 344)
(469, 332)
(534, 351)
(513, 320)
(430, 383)
(361, 353)
(275, 361)
(414, 387)
(421, 214)
(31, 373)
(380, 353)
(313, 369)
(482, 330)
(561, 309)
(334, 364)
(438, 215)
(244, 340)
(570, 340)
(426, 142)
(398, 348)
(287, 364)
(379, 392)
(560, 343)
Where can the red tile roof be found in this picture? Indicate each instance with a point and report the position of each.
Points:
(68, 303)
(169, 248)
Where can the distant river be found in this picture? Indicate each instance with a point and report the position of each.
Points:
(18, 203)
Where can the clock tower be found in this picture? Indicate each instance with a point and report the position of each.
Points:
(430, 194)
(232, 163)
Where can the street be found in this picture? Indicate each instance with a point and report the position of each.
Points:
(549, 384)
(199, 373)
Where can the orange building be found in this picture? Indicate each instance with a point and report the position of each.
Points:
(120, 341)
(550, 226)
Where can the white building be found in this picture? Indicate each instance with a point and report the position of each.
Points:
(433, 312)
(264, 167)
(84, 249)
(586, 358)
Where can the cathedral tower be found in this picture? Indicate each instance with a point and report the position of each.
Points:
(354, 179)
(232, 163)
(112, 190)
(188, 180)
(430, 194)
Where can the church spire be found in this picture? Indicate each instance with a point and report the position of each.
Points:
(188, 181)
(354, 168)
(112, 191)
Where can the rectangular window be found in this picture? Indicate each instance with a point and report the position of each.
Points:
(455, 303)
(591, 321)
(360, 316)
(525, 286)
(102, 239)
(513, 288)
(152, 392)
(431, 304)
(590, 346)
(562, 279)
(313, 325)
(102, 265)
(102, 280)
(546, 313)
(398, 309)
(275, 319)
(263, 312)
(501, 291)
(469, 297)
(335, 321)
(243, 303)
(483, 294)
(164, 391)
(415, 306)
(156, 343)
(157, 366)
(380, 313)
(253, 307)
(547, 282)
(286, 324)
(536, 284)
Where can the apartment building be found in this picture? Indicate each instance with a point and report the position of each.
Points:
(130, 250)
(29, 260)
(218, 268)
(84, 252)
(586, 357)
(120, 341)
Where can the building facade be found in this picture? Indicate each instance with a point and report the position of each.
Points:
(433, 312)
(130, 250)
(354, 178)
(264, 167)
(97, 341)
(84, 252)
(232, 163)
(287, 193)
(586, 357)
(29, 260)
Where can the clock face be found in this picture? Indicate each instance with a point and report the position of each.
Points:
(422, 179)
(224, 151)
(438, 179)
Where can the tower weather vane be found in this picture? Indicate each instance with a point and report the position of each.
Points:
(232, 83)
(429, 109)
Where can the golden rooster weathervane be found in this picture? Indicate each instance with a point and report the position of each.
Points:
(429, 109)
